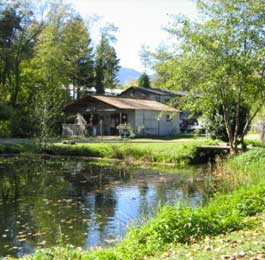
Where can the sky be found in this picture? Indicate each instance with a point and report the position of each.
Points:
(140, 23)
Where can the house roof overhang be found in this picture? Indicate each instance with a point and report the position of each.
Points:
(105, 103)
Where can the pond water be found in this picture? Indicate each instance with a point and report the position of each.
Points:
(45, 203)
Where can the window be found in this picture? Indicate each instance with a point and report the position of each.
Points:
(169, 118)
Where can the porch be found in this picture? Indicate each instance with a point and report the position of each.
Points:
(98, 124)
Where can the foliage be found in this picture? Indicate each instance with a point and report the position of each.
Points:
(19, 29)
(248, 166)
(144, 81)
(78, 56)
(21, 122)
(215, 124)
(45, 49)
(220, 60)
(5, 112)
(106, 65)
(47, 112)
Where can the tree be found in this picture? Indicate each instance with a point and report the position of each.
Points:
(50, 72)
(106, 65)
(144, 81)
(19, 29)
(78, 56)
(221, 58)
(47, 113)
(215, 125)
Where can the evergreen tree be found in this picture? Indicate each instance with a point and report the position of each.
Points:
(107, 66)
(78, 56)
(144, 81)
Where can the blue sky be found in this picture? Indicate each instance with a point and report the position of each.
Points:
(139, 22)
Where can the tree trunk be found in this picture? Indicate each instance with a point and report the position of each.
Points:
(15, 91)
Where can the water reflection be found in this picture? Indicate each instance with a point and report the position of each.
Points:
(49, 202)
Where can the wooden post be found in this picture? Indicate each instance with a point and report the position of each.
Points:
(120, 118)
(158, 126)
(101, 129)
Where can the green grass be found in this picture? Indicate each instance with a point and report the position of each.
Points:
(243, 244)
(16, 148)
(255, 143)
(249, 169)
(152, 151)
(183, 224)
(175, 153)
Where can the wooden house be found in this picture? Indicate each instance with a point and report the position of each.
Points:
(187, 124)
(103, 116)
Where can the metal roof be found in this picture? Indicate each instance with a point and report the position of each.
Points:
(121, 103)
(156, 91)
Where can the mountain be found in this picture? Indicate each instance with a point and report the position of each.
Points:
(126, 75)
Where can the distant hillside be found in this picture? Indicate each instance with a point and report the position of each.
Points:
(126, 75)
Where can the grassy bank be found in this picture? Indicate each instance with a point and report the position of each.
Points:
(9, 149)
(244, 170)
(244, 244)
(181, 152)
(175, 153)
(179, 227)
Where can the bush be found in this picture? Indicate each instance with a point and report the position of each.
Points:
(215, 125)
(10, 149)
(5, 112)
(21, 124)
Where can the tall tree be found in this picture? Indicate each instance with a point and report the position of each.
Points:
(144, 81)
(78, 56)
(50, 70)
(19, 29)
(222, 57)
(106, 65)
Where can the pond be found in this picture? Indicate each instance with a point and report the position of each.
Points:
(44, 203)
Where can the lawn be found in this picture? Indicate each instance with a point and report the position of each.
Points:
(181, 152)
